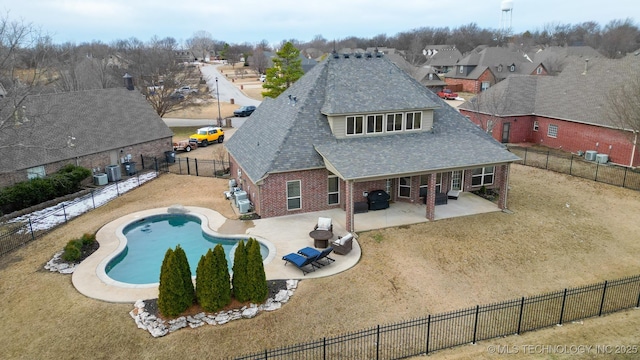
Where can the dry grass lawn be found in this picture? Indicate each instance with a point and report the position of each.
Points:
(564, 232)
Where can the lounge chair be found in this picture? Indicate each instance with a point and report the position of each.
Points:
(305, 264)
(324, 224)
(343, 245)
(321, 257)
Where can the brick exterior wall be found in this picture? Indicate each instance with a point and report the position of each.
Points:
(100, 160)
(572, 136)
(472, 85)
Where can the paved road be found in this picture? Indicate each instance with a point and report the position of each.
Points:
(226, 89)
(235, 122)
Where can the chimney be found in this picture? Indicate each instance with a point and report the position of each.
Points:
(128, 81)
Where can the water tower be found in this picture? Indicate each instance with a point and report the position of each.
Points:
(505, 20)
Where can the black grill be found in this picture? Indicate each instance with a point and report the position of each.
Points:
(378, 200)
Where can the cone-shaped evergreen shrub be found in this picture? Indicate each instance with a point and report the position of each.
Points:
(240, 281)
(258, 289)
(204, 281)
(185, 272)
(171, 289)
(221, 278)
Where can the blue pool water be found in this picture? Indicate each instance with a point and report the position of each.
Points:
(149, 239)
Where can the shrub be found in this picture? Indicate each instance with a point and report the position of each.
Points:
(73, 249)
(239, 280)
(255, 273)
(185, 272)
(213, 289)
(173, 298)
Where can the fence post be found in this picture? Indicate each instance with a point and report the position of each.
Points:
(564, 299)
(266, 354)
(142, 160)
(475, 326)
(214, 169)
(624, 178)
(324, 348)
(188, 167)
(196, 162)
(597, 166)
(571, 164)
(64, 212)
(378, 342)
(604, 291)
(117, 189)
(525, 155)
(546, 166)
(638, 302)
(429, 329)
(520, 317)
(155, 163)
(33, 237)
(93, 200)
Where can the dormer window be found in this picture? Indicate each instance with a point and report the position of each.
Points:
(461, 69)
(539, 70)
(430, 76)
(355, 125)
(500, 68)
(512, 68)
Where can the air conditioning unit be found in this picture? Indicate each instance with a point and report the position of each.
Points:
(232, 184)
(240, 195)
(590, 155)
(244, 206)
(602, 158)
(100, 179)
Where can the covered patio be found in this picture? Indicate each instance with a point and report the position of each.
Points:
(403, 213)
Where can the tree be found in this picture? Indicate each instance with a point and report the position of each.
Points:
(286, 70)
(201, 44)
(259, 62)
(185, 272)
(213, 289)
(488, 108)
(619, 38)
(255, 273)
(239, 280)
(624, 107)
(171, 297)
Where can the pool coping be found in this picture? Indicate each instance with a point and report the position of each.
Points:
(90, 279)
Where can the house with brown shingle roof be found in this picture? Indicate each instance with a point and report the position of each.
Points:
(91, 128)
(568, 111)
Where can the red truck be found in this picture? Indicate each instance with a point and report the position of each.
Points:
(447, 94)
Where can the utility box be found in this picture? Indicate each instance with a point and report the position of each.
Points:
(244, 206)
(590, 155)
(113, 173)
(170, 156)
(240, 195)
(602, 158)
(100, 179)
(130, 168)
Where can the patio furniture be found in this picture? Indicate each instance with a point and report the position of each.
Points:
(343, 245)
(321, 257)
(441, 199)
(324, 224)
(378, 200)
(321, 238)
(305, 264)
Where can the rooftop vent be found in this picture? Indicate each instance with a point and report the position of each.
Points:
(378, 54)
(358, 55)
(368, 55)
(346, 56)
(336, 55)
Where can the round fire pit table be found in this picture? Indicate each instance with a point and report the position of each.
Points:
(321, 238)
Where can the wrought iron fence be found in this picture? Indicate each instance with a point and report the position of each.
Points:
(23, 229)
(187, 166)
(441, 331)
(577, 166)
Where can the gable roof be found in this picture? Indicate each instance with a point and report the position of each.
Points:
(92, 121)
(292, 132)
(578, 93)
(484, 57)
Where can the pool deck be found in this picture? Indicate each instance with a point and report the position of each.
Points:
(283, 235)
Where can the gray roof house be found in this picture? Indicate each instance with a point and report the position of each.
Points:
(568, 111)
(357, 123)
(91, 128)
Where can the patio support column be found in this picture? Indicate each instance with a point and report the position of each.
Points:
(431, 197)
(503, 182)
(349, 206)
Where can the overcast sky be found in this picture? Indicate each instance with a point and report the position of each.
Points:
(238, 21)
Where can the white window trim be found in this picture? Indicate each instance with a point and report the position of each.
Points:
(482, 176)
(36, 172)
(386, 125)
(404, 186)
(329, 192)
(382, 123)
(536, 125)
(539, 70)
(294, 197)
(413, 122)
(555, 131)
(354, 117)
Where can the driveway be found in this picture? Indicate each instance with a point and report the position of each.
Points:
(226, 89)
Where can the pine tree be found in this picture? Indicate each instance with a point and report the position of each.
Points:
(171, 288)
(240, 290)
(185, 273)
(221, 278)
(286, 70)
(204, 281)
(255, 273)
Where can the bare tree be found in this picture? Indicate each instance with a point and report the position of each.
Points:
(259, 61)
(624, 107)
(489, 108)
(619, 38)
(201, 44)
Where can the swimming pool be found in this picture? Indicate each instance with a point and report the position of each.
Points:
(149, 238)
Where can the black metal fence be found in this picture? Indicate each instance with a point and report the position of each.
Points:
(571, 164)
(436, 332)
(24, 229)
(187, 166)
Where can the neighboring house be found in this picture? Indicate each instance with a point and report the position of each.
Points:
(485, 66)
(567, 111)
(184, 56)
(355, 124)
(91, 128)
(554, 58)
(307, 63)
(442, 58)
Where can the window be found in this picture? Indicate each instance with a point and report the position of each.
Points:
(374, 124)
(552, 131)
(333, 189)
(294, 200)
(36, 172)
(404, 187)
(482, 176)
(535, 126)
(430, 76)
(500, 68)
(461, 69)
(539, 70)
(424, 185)
(485, 85)
(355, 125)
(438, 182)
(394, 122)
(512, 68)
(414, 121)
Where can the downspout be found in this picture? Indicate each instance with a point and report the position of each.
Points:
(633, 148)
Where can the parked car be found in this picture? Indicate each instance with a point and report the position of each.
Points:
(244, 111)
(206, 135)
(187, 90)
(263, 77)
(447, 94)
